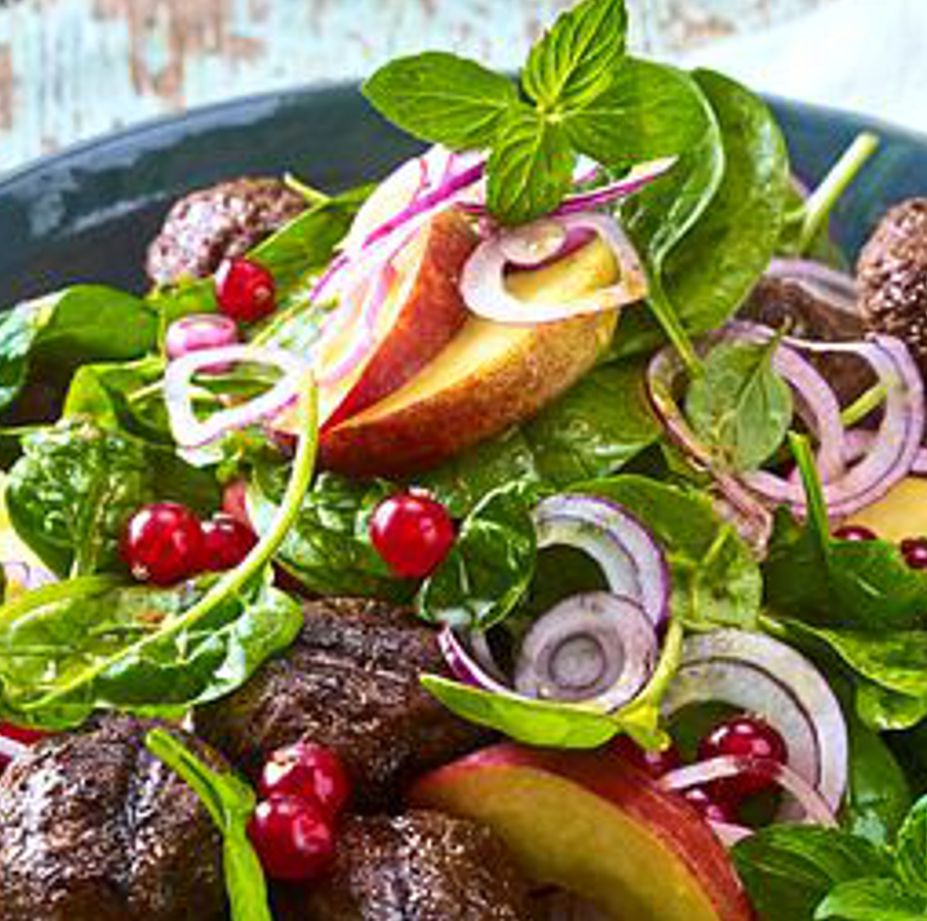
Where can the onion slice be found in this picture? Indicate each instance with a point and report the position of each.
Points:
(188, 431)
(631, 559)
(464, 666)
(639, 177)
(482, 282)
(758, 674)
(820, 281)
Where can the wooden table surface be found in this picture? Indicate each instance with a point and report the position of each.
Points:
(73, 69)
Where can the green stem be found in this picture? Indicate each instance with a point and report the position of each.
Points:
(814, 492)
(821, 202)
(313, 196)
(67, 590)
(667, 318)
(864, 404)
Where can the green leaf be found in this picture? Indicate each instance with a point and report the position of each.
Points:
(883, 710)
(576, 58)
(230, 802)
(872, 900)
(739, 405)
(60, 331)
(490, 566)
(442, 98)
(788, 869)
(75, 486)
(911, 849)
(715, 580)
(530, 167)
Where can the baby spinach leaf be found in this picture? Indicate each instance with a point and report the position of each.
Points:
(739, 405)
(62, 330)
(76, 485)
(872, 900)
(715, 580)
(789, 869)
(911, 849)
(883, 709)
(490, 566)
(230, 803)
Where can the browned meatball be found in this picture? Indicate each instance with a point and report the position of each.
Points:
(421, 866)
(349, 682)
(95, 828)
(223, 221)
(892, 271)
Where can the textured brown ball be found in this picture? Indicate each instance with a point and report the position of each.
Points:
(892, 272)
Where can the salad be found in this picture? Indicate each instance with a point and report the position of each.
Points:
(537, 532)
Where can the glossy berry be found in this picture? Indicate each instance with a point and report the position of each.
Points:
(293, 838)
(855, 532)
(413, 533)
(307, 771)
(708, 805)
(745, 736)
(914, 550)
(654, 763)
(163, 543)
(245, 290)
(226, 542)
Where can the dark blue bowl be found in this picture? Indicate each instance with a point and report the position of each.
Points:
(88, 213)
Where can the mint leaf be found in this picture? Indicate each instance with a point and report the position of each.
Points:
(911, 849)
(576, 58)
(442, 98)
(872, 900)
(530, 168)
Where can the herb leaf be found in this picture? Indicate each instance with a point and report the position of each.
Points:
(911, 849)
(739, 405)
(530, 168)
(230, 803)
(442, 98)
(872, 900)
(576, 58)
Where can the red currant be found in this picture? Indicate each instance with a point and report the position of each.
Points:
(307, 771)
(654, 763)
(709, 807)
(413, 533)
(226, 542)
(748, 737)
(855, 532)
(914, 550)
(293, 838)
(163, 543)
(245, 290)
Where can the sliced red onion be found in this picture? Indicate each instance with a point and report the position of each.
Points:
(638, 178)
(26, 576)
(757, 674)
(200, 331)
(464, 666)
(814, 807)
(729, 833)
(189, 432)
(596, 648)
(820, 281)
(479, 645)
(482, 282)
(631, 559)
(919, 467)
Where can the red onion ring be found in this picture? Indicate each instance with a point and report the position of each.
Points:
(26, 575)
(820, 281)
(464, 666)
(482, 281)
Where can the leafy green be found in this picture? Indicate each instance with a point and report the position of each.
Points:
(715, 581)
(883, 709)
(490, 566)
(442, 98)
(576, 58)
(75, 486)
(60, 331)
(739, 405)
(872, 900)
(230, 803)
(911, 849)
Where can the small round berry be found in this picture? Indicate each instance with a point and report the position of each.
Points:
(413, 533)
(245, 290)
(654, 763)
(709, 808)
(748, 737)
(855, 532)
(226, 542)
(914, 550)
(162, 543)
(293, 838)
(307, 771)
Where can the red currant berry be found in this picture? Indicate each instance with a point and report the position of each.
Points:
(914, 550)
(855, 532)
(654, 763)
(307, 771)
(747, 737)
(293, 838)
(226, 542)
(413, 533)
(245, 290)
(163, 543)
(709, 808)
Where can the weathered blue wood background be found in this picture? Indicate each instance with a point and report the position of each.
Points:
(72, 69)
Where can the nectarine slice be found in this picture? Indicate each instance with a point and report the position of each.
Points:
(900, 513)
